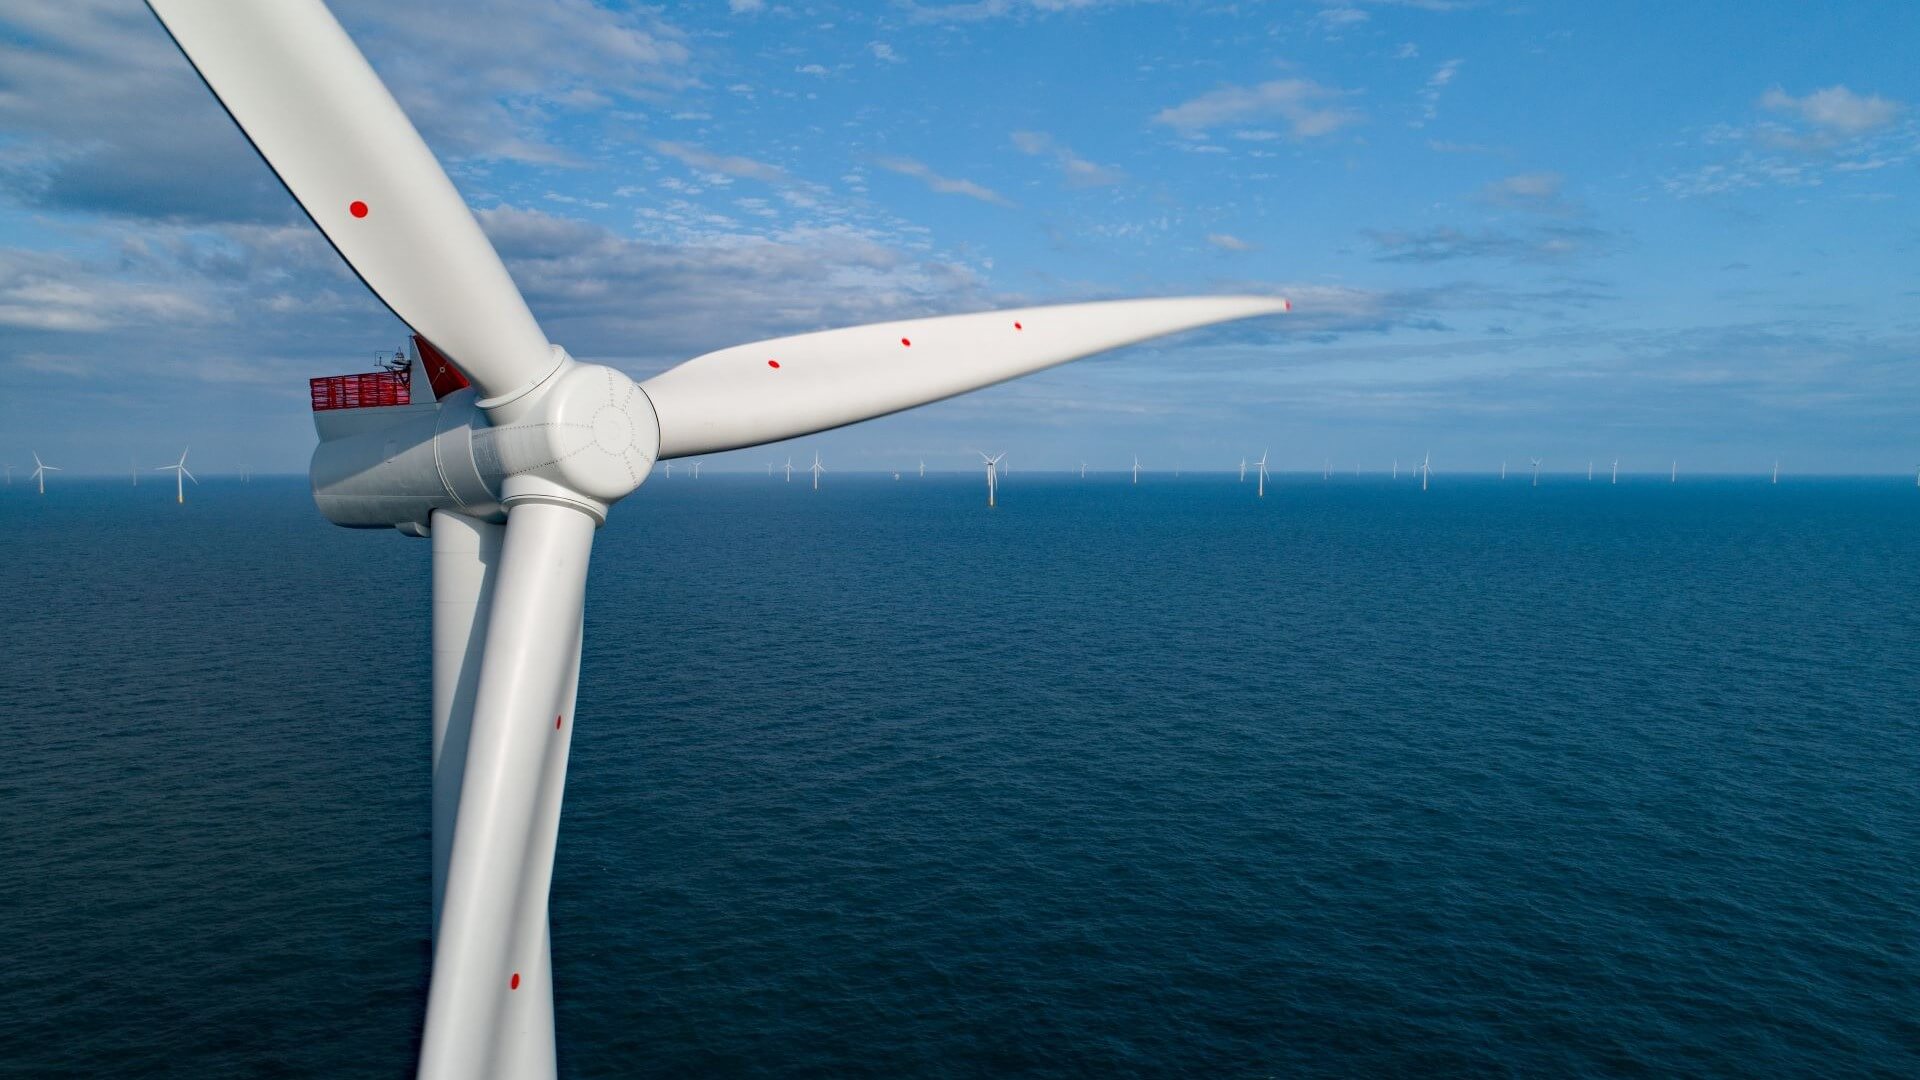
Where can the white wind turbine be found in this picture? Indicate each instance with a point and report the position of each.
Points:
(789, 468)
(1503, 470)
(1589, 470)
(1426, 470)
(1674, 476)
(1136, 469)
(1262, 463)
(40, 471)
(1083, 470)
(1776, 470)
(9, 469)
(1536, 472)
(1396, 468)
(511, 475)
(696, 470)
(923, 468)
(817, 470)
(181, 474)
(135, 469)
(993, 467)
(1616, 472)
(1243, 470)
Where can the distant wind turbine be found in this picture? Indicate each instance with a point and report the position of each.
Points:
(769, 470)
(817, 470)
(1503, 470)
(1262, 493)
(923, 468)
(1589, 469)
(789, 470)
(1243, 470)
(696, 470)
(993, 467)
(1776, 471)
(40, 471)
(1396, 468)
(1674, 476)
(1616, 471)
(135, 469)
(669, 470)
(1536, 472)
(9, 469)
(1083, 470)
(1326, 469)
(181, 474)
(1136, 468)
(1426, 470)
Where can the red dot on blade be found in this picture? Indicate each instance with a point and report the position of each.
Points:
(515, 984)
(773, 363)
(1017, 326)
(904, 341)
(357, 209)
(556, 723)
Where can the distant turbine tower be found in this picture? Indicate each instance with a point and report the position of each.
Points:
(923, 468)
(769, 470)
(1083, 470)
(246, 474)
(993, 466)
(1503, 470)
(1396, 468)
(1326, 469)
(135, 470)
(40, 471)
(1776, 471)
(9, 469)
(1426, 469)
(1243, 470)
(817, 470)
(789, 470)
(181, 474)
(1136, 468)
(696, 470)
(1616, 470)
(1536, 472)
(1674, 476)
(1589, 468)
(1262, 493)
(669, 470)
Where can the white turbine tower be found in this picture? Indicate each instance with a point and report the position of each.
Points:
(1503, 470)
(1776, 471)
(789, 468)
(135, 469)
(669, 466)
(1589, 470)
(993, 467)
(181, 474)
(923, 468)
(40, 471)
(817, 470)
(696, 470)
(1243, 470)
(1426, 470)
(1616, 472)
(1674, 476)
(1536, 472)
(511, 475)
(1136, 469)
(1396, 468)
(1262, 463)
(1083, 470)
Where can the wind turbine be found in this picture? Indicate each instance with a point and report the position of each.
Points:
(669, 470)
(1616, 471)
(181, 474)
(135, 469)
(993, 465)
(817, 470)
(40, 471)
(1262, 493)
(696, 470)
(1083, 470)
(789, 468)
(511, 474)
(1536, 472)
(1426, 469)
(1396, 468)
(1503, 470)
(923, 468)
(1136, 468)
(1674, 476)
(9, 469)
(1776, 470)
(1243, 470)
(1589, 470)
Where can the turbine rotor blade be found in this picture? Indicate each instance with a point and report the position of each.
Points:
(304, 95)
(490, 957)
(779, 389)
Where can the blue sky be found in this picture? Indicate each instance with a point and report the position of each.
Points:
(1637, 230)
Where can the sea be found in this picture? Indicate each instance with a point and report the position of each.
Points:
(1111, 780)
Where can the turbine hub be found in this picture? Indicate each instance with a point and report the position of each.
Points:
(589, 441)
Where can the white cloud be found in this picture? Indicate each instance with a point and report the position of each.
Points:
(1079, 172)
(942, 184)
(1441, 78)
(1308, 108)
(1228, 242)
(727, 164)
(884, 53)
(746, 7)
(1835, 109)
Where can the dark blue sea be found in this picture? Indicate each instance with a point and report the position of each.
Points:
(1164, 780)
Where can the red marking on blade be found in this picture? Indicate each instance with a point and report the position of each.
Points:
(357, 208)
(515, 984)
(556, 723)
(1286, 305)
(1017, 326)
(773, 364)
(904, 341)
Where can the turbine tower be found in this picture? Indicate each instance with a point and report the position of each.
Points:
(696, 470)
(1262, 493)
(1243, 470)
(1396, 468)
(817, 470)
(993, 466)
(1136, 468)
(181, 474)
(1426, 470)
(1616, 471)
(1503, 470)
(1674, 476)
(135, 469)
(923, 468)
(40, 471)
(514, 466)
(1589, 470)
(1083, 470)
(1776, 470)
(1536, 472)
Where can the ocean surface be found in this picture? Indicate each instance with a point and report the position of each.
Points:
(1164, 780)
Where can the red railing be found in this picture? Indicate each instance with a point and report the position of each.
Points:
(361, 391)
